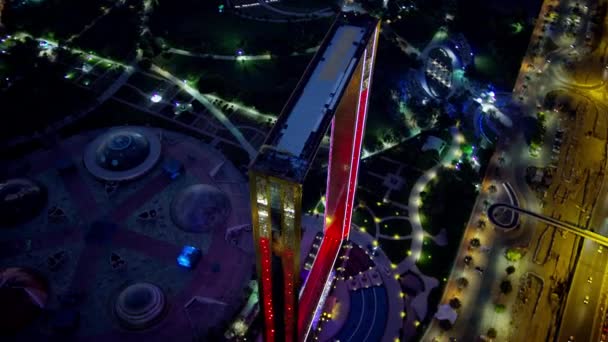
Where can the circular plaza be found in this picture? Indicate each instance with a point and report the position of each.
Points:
(98, 224)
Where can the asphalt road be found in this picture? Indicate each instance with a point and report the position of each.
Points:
(583, 321)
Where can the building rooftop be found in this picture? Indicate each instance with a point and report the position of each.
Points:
(323, 89)
(292, 143)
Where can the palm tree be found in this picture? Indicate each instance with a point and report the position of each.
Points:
(462, 282)
(455, 303)
(510, 269)
(506, 287)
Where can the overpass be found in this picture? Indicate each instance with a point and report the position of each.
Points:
(332, 92)
(569, 227)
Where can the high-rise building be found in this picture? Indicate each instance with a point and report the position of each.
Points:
(333, 90)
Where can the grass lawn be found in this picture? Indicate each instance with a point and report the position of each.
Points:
(448, 201)
(58, 19)
(436, 261)
(362, 218)
(39, 99)
(305, 4)
(395, 250)
(372, 198)
(113, 36)
(396, 227)
(265, 85)
(197, 25)
(498, 47)
(383, 115)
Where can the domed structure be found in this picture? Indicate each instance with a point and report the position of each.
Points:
(23, 294)
(438, 72)
(140, 306)
(200, 208)
(20, 199)
(122, 153)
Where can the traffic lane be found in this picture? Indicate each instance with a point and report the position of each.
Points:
(578, 316)
(600, 261)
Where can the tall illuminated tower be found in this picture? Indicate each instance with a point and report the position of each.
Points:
(333, 90)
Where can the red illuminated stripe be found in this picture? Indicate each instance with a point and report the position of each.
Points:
(267, 289)
(354, 170)
(289, 294)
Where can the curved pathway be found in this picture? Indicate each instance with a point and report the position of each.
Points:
(251, 151)
(262, 57)
(324, 12)
(182, 52)
(413, 203)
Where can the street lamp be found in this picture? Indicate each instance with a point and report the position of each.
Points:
(156, 98)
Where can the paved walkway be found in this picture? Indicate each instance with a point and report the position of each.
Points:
(138, 198)
(219, 115)
(414, 200)
(324, 12)
(182, 52)
(262, 57)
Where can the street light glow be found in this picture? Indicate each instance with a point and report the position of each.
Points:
(156, 98)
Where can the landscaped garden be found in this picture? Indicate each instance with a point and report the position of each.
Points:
(199, 26)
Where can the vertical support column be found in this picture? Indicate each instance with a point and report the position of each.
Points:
(262, 233)
(278, 298)
(290, 235)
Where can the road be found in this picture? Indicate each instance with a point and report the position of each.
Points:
(570, 197)
(579, 320)
(569, 227)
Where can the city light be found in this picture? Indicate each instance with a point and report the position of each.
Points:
(189, 256)
(460, 138)
(156, 98)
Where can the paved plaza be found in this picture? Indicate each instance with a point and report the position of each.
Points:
(94, 238)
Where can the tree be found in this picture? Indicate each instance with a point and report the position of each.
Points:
(455, 303)
(468, 259)
(145, 64)
(491, 333)
(510, 269)
(506, 287)
(445, 324)
(462, 282)
(372, 143)
(513, 254)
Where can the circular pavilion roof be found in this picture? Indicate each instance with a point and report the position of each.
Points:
(200, 208)
(438, 72)
(20, 199)
(122, 153)
(23, 294)
(140, 305)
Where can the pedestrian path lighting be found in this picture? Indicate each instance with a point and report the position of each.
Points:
(156, 98)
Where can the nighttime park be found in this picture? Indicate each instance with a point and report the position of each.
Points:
(304, 170)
